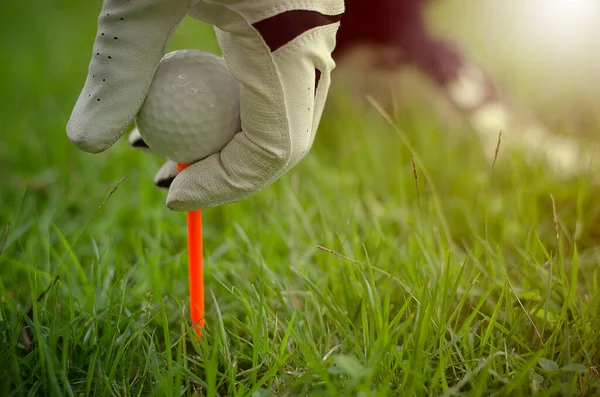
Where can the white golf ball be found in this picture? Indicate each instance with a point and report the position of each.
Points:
(192, 108)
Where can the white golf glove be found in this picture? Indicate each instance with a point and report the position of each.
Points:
(280, 52)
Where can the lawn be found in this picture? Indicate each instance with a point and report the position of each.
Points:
(394, 260)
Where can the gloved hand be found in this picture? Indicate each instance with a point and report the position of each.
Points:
(280, 52)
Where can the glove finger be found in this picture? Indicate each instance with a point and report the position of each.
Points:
(137, 142)
(131, 40)
(165, 176)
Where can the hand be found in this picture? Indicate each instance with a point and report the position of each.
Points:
(280, 52)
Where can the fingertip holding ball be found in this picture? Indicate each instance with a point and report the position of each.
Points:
(192, 108)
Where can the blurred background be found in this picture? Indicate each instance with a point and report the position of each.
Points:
(544, 53)
(414, 196)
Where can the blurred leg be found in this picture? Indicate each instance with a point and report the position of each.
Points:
(371, 45)
(378, 22)
(397, 35)
(474, 94)
(397, 29)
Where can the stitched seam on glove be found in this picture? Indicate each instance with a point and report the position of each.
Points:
(284, 136)
(289, 50)
(335, 8)
(299, 5)
(305, 37)
(295, 23)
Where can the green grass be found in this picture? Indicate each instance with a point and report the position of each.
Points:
(346, 277)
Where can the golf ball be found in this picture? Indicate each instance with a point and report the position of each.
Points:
(192, 108)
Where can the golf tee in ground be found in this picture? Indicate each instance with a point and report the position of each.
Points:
(195, 265)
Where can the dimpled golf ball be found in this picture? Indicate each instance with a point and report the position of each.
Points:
(192, 108)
